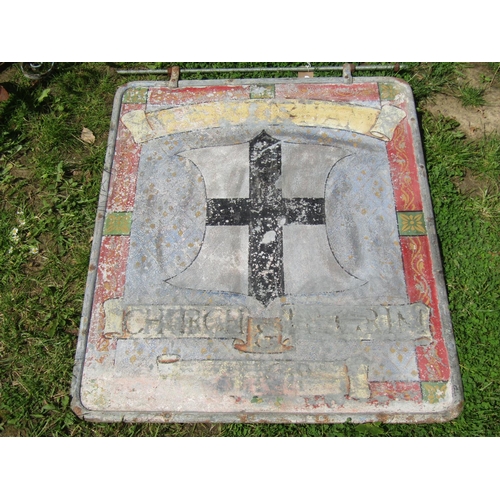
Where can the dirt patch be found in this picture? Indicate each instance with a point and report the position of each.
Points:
(7, 72)
(473, 185)
(11, 431)
(475, 121)
(20, 173)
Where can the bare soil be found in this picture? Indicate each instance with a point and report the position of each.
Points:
(477, 121)
(473, 185)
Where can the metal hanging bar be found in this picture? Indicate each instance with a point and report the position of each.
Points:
(168, 71)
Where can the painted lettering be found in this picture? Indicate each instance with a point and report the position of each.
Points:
(177, 321)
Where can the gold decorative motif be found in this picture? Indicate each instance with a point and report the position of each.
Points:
(262, 92)
(433, 392)
(388, 91)
(411, 223)
(118, 224)
(136, 95)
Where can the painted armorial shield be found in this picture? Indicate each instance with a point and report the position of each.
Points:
(265, 251)
(263, 256)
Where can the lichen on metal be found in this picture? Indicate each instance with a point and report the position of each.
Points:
(265, 251)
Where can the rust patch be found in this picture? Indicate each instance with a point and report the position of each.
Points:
(264, 335)
(322, 419)
(115, 335)
(78, 411)
(103, 344)
(174, 73)
(168, 358)
(316, 402)
(383, 417)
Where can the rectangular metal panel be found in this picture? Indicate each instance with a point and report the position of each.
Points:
(265, 251)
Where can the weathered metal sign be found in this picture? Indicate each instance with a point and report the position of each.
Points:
(265, 251)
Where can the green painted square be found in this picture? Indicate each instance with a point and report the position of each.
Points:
(118, 224)
(433, 392)
(262, 92)
(137, 95)
(388, 91)
(411, 224)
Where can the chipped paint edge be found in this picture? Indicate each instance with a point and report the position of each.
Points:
(76, 403)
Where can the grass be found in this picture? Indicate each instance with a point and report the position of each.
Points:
(49, 186)
(471, 96)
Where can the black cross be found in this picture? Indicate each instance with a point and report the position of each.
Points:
(265, 212)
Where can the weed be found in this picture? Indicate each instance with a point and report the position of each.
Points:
(429, 78)
(471, 96)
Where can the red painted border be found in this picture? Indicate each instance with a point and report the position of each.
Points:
(114, 250)
(421, 286)
(404, 170)
(110, 284)
(125, 167)
(356, 92)
(407, 391)
(193, 95)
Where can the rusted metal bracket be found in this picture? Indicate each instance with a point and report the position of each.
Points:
(347, 72)
(174, 73)
(306, 74)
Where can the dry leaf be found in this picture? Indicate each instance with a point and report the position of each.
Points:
(87, 136)
(4, 95)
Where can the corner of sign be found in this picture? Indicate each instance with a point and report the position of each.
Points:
(78, 407)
